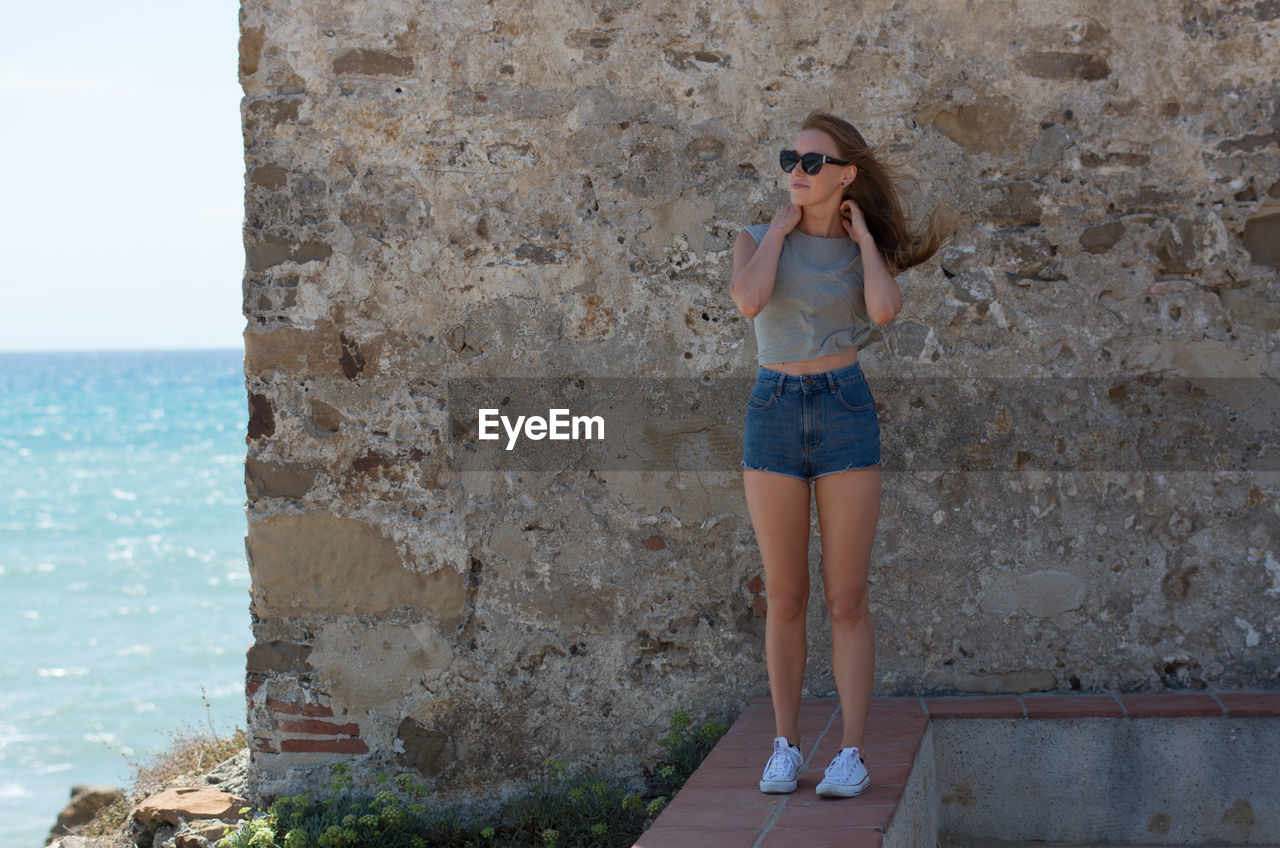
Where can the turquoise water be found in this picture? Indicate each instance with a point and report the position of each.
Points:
(123, 582)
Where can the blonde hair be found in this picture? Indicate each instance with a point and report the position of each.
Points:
(876, 194)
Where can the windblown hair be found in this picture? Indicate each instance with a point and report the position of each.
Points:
(875, 192)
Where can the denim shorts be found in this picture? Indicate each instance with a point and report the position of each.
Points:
(812, 425)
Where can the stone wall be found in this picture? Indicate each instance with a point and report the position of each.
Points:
(452, 205)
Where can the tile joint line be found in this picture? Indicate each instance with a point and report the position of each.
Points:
(803, 768)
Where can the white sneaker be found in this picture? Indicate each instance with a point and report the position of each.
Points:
(783, 767)
(845, 777)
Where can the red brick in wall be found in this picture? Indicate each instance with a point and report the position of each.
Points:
(324, 728)
(332, 746)
(293, 707)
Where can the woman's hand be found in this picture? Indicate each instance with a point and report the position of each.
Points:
(854, 224)
(786, 218)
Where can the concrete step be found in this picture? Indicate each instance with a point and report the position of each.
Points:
(721, 806)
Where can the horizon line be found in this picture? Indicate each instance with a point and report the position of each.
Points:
(102, 350)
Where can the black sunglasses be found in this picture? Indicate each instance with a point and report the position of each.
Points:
(810, 163)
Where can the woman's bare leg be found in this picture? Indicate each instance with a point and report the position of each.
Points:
(779, 507)
(848, 510)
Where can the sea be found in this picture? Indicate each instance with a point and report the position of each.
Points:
(124, 589)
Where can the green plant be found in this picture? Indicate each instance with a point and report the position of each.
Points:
(687, 746)
(109, 819)
(256, 832)
(559, 809)
(574, 811)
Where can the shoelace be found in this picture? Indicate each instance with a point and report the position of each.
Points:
(779, 765)
(841, 768)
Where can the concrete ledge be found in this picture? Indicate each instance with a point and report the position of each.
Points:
(995, 770)
(1168, 780)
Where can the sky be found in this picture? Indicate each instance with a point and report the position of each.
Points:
(123, 200)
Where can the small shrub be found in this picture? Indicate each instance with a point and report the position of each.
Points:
(558, 810)
(108, 820)
(573, 811)
(256, 832)
(191, 751)
(687, 746)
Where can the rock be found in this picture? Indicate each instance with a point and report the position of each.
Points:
(985, 126)
(1048, 149)
(1101, 238)
(1042, 594)
(173, 805)
(428, 751)
(86, 801)
(232, 775)
(1178, 249)
(298, 562)
(1014, 204)
(164, 836)
(201, 834)
(1262, 238)
(277, 480)
(1065, 66)
(77, 842)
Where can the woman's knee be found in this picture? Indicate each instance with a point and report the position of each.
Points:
(786, 606)
(848, 609)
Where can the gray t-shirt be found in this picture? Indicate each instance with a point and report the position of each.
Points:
(817, 306)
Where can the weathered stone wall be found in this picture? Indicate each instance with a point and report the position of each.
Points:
(453, 191)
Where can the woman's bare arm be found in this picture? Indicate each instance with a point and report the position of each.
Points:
(756, 265)
(879, 288)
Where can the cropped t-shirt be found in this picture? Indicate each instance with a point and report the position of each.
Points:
(817, 306)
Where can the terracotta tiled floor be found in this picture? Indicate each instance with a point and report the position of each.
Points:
(721, 806)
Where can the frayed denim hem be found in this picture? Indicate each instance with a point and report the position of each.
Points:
(771, 471)
(850, 468)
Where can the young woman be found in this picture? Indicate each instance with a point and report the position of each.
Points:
(814, 280)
